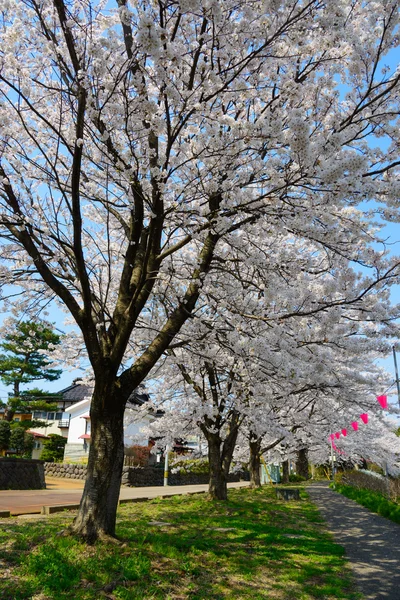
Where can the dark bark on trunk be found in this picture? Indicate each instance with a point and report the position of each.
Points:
(217, 487)
(255, 461)
(9, 414)
(285, 471)
(220, 455)
(10, 411)
(302, 463)
(97, 512)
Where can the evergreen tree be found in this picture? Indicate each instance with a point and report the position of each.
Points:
(21, 442)
(5, 432)
(53, 450)
(24, 361)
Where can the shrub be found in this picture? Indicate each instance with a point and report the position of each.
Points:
(294, 478)
(185, 466)
(366, 480)
(21, 442)
(394, 489)
(322, 472)
(53, 450)
(372, 500)
(137, 456)
(5, 432)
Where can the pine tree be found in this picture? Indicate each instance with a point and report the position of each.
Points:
(24, 361)
(53, 450)
(5, 432)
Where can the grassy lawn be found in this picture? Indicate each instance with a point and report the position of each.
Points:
(251, 547)
(371, 500)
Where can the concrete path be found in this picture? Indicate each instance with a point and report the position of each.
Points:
(20, 502)
(372, 543)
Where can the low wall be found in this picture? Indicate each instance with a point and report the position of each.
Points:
(65, 471)
(137, 476)
(152, 476)
(21, 474)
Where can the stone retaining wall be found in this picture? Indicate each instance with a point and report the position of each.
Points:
(152, 476)
(136, 476)
(65, 471)
(21, 474)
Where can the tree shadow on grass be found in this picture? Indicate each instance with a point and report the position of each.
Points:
(250, 547)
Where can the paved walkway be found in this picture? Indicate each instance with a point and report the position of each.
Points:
(372, 543)
(20, 502)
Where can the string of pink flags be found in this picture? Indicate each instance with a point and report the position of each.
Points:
(383, 401)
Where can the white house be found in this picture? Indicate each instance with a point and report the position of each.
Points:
(78, 444)
(58, 421)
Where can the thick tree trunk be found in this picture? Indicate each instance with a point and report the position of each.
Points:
(255, 461)
(220, 455)
(97, 512)
(9, 414)
(285, 471)
(302, 463)
(217, 487)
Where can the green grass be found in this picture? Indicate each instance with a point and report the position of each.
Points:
(251, 547)
(371, 500)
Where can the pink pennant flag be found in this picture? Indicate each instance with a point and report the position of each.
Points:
(383, 401)
(354, 425)
(337, 434)
(332, 436)
(344, 431)
(334, 446)
(364, 418)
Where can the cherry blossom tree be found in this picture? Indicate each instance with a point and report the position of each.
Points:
(136, 140)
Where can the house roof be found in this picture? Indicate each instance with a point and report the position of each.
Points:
(76, 392)
(38, 435)
(79, 391)
(138, 398)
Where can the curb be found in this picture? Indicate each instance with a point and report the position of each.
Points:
(49, 510)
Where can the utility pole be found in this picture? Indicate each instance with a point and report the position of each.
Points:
(166, 466)
(397, 374)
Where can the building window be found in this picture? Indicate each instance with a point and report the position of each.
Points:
(59, 416)
(17, 419)
(39, 414)
(50, 416)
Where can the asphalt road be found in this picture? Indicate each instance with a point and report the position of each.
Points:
(63, 492)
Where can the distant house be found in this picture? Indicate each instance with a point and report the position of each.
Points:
(79, 432)
(19, 415)
(58, 421)
(38, 444)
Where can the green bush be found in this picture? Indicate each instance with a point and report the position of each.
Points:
(53, 450)
(198, 466)
(374, 501)
(322, 471)
(294, 478)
